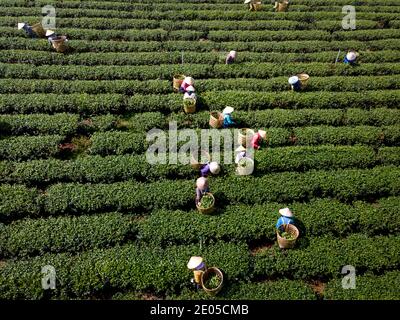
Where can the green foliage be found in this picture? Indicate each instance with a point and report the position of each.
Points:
(65, 234)
(39, 124)
(26, 148)
(368, 287)
(371, 253)
(129, 267)
(18, 201)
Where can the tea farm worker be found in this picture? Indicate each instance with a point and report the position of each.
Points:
(286, 217)
(258, 138)
(197, 265)
(228, 121)
(201, 188)
(51, 35)
(240, 154)
(212, 167)
(27, 28)
(231, 57)
(186, 83)
(350, 57)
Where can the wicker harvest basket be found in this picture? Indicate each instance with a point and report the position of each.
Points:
(177, 81)
(209, 209)
(208, 273)
(216, 119)
(38, 29)
(245, 139)
(303, 77)
(59, 44)
(285, 243)
(282, 6)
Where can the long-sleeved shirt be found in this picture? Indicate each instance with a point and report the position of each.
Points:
(240, 156)
(183, 87)
(256, 141)
(28, 29)
(229, 59)
(228, 121)
(284, 220)
(205, 170)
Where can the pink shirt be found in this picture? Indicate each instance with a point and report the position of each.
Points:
(256, 141)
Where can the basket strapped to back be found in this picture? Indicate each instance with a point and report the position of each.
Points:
(38, 29)
(216, 119)
(59, 44)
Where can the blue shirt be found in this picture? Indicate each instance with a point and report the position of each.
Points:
(228, 121)
(284, 220)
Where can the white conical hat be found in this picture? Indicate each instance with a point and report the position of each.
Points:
(194, 262)
(293, 80)
(49, 33)
(228, 110)
(189, 81)
(286, 212)
(202, 183)
(240, 149)
(21, 25)
(233, 53)
(262, 133)
(190, 89)
(214, 167)
(247, 1)
(351, 56)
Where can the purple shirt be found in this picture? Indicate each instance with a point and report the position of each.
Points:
(205, 170)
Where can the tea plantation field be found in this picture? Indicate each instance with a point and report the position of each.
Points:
(77, 193)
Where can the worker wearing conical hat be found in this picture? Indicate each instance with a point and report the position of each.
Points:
(350, 58)
(186, 83)
(258, 138)
(201, 188)
(228, 120)
(286, 217)
(197, 265)
(28, 29)
(252, 4)
(210, 168)
(51, 35)
(240, 154)
(231, 57)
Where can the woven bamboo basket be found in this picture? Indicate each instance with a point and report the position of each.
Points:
(59, 44)
(303, 77)
(38, 29)
(189, 105)
(285, 243)
(248, 169)
(177, 81)
(282, 6)
(244, 139)
(208, 273)
(216, 119)
(209, 209)
(257, 6)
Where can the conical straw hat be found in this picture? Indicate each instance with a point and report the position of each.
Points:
(286, 212)
(194, 262)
